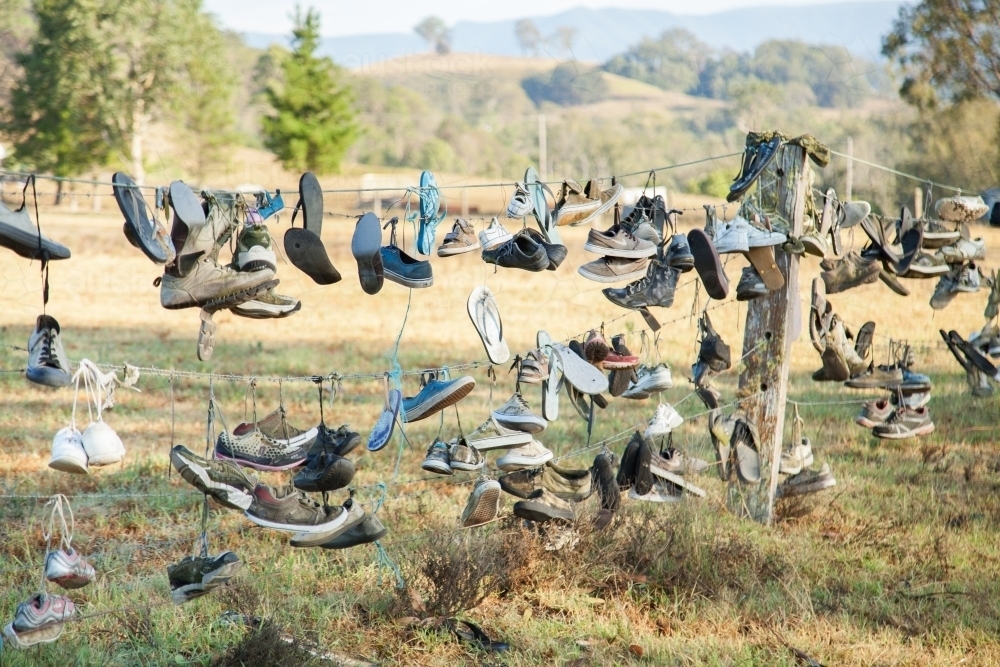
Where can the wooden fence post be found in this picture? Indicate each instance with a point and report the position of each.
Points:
(770, 330)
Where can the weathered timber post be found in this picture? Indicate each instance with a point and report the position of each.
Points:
(769, 333)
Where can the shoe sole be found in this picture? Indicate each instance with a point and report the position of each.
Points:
(227, 495)
(407, 282)
(502, 442)
(486, 508)
(616, 252)
(708, 265)
(893, 284)
(311, 197)
(365, 246)
(66, 464)
(455, 393)
(440, 467)
(678, 480)
(467, 467)
(578, 372)
(228, 301)
(48, 377)
(763, 260)
(618, 366)
(128, 198)
(451, 252)
(528, 423)
(318, 539)
(540, 513)
(599, 278)
(307, 253)
(600, 210)
(515, 463)
(926, 429)
(304, 530)
(258, 310)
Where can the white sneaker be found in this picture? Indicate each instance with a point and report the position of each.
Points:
(530, 455)
(650, 381)
(102, 444)
(491, 435)
(520, 204)
(68, 454)
(732, 237)
(664, 421)
(494, 235)
(797, 457)
(762, 238)
(515, 414)
(662, 491)
(964, 250)
(969, 279)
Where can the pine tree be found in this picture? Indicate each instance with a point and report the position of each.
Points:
(313, 123)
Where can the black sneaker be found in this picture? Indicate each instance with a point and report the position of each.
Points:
(368, 531)
(195, 576)
(708, 265)
(657, 288)
(756, 158)
(326, 472)
(634, 468)
(556, 252)
(603, 474)
(713, 350)
(341, 441)
(678, 254)
(520, 252)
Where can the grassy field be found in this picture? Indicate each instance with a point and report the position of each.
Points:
(894, 566)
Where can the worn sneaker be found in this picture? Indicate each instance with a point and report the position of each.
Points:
(25, 640)
(436, 395)
(664, 421)
(678, 255)
(102, 444)
(47, 361)
(946, 289)
(674, 461)
(530, 455)
(534, 368)
(368, 531)
(68, 569)
(275, 426)
(568, 484)
(21, 235)
(438, 459)
(268, 305)
(225, 481)
(461, 239)
(544, 506)
(617, 242)
(650, 381)
(519, 252)
(573, 206)
(256, 450)
(751, 285)
(348, 516)
(796, 457)
(614, 269)
(969, 279)
(961, 208)
(208, 281)
(732, 237)
(807, 481)
(195, 576)
(68, 454)
(340, 441)
(41, 611)
(515, 414)
(253, 249)
(325, 472)
(462, 456)
(520, 202)
(556, 252)
(494, 235)
(616, 361)
(905, 423)
(491, 435)
(849, 272)
(656, 288)
(484, 503)
(877, 377)
(964, 250)
(926, 265)
(287, 509)
(874, 413)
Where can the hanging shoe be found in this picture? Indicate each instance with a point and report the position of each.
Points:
(348, 516)
(255, 450)
(555, 252)
(435, 395)
(573, 206)
(656, 288)
(21, 235)
(225, 481)
(751, 286)
(756, 158)
(516, 415)
(483, 504)
(386, 422)
(708, 264)
(463, 456)
(430, 201)
(530, 455)
(806, 482)
(961, 208)
(461, 239)
(68, 454)
(268, 305)
(254, 250)
(366, 246)
(402, 269)
(39, 619)
(438, 459)
(494, 235)
(146, 232)
(326, 472)
(47, 361)
(207, 283)
(664, 421)
(485, 316)
(195, 576)
(369, 530)
(520, 204)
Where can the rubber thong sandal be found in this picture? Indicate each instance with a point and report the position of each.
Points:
(430, 200)
(311, 202)
(485, 317)
(142, 231)
(474, 635)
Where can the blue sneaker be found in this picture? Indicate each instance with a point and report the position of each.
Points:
(435, 395)
(430, 201)
(267, 205)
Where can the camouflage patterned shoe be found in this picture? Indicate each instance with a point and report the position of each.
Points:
(255, 450)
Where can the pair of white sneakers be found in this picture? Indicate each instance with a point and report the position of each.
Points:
(98, 445)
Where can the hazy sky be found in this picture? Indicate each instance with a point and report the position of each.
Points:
(379, 16)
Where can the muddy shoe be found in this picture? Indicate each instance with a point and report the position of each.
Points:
(849, 272)
(877, 377)
(208, 283)
(961, 208)
(572, 205)
(796, 457)
(544, 506)
(657, 288)
(807, 481)
(874, 413)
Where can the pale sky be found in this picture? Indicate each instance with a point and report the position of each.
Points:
(380, 16)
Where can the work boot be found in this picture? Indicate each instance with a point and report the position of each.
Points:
(655, 289)
(195, 236)
(849, 272)
(207, 281)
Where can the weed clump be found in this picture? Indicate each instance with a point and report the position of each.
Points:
(265, 645)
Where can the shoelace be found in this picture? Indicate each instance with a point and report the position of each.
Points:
(47, 357)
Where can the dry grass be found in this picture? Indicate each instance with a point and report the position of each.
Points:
(890, 567)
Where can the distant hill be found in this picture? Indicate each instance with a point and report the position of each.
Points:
(602, 33)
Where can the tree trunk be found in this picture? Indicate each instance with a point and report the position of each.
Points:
(59, 192)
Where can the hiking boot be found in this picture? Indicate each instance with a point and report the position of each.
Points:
(662, 491)
(568, 484)
(678, 255)
(756, 158)
(556, 252)
(483, 504)
(657, 288)
(326, 472)
(341, 441)
(195, 576)
(617, 242)
(369, 530)
(21, 235)
(42, 610)
(268, 305)
(905, 423)
(520, 252)
(602, 474)
(255, 450)
(530, 455)
(68, 569)
(494, 235)
(287, 509)
(849, 272)
(664, 421)
(436, 395)
(277, 428)
(207, 281)
(877, 377)
(461, 456)
(641, 228)
(520, 202)
(534, 368)
(807, 481)
(254, 251)
(926, 265)
(544, 506)
(515, 414)
(47, 361)
(573, 206)
(349, 515)
(649, 381)
(750, 286)
(491, 435)
(606, 196)
(796, 457)
(461, 239)
(438, 459)
(225, 481)
(874, 413)
(614, 269)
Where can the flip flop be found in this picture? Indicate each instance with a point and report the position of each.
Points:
(677, 479)
(912, 241)
(708, 264)
(550, 385)
(366, 246)
(863, 341)
(206, 335)
(186, 206)
(146, 234)
(763, 260)
(582, 375)
(485, 317)
(974, 356)
(311, 202)
(542, 212)
(430, 200)
(307, 253)
(960, 357)
(386, 423)
(744, 444)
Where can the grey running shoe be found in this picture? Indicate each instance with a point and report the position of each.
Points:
(325, 472)
(946, 290)
(614, 269)
(905, 423)
(807, 481)
(520, 252)
(256, 450)
(20, 234)
(225, 481)
(461, 239)
(618, 242)
(877, 377)
(68, 569)
(656, 288)
(491, 435)
(544, 506)
(42, 610)
(515, 414)
(530, 455)
(47, 361)
(207, 281)
(674, 461)
(195, 576)
(969, 279)
(750, 286)
(368, 531)
(874, 413)
(649, 381)
(438, 459)
(268, 305)
(463, 457)
(276, 427)
(483, 505)
(849, 272)
(348, 516)
(287, 509)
